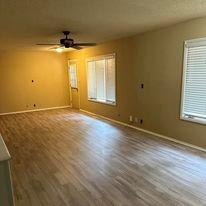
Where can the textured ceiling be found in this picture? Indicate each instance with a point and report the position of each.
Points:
(26, 22)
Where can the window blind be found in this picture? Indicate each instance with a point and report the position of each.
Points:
(73, 75)
(91, 80)
(194, 96)
(101, 79)
(110, 79)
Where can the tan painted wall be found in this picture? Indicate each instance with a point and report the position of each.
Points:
(18, 69)
(155, 59)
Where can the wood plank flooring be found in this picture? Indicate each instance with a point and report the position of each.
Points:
(64, 157)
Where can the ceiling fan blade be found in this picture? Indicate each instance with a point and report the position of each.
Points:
(76, 47)
(47, 44)
(85, 44)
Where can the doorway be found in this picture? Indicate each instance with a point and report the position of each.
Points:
(73, 82)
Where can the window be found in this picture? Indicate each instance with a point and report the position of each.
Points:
(73, 75)
(101, 79)
(194, 81)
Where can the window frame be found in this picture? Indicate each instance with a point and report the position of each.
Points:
(195, 42)
(96, 58)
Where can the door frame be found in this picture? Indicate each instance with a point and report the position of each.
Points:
(74, 61)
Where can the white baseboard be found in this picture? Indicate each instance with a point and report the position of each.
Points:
(147, 131)
(35, 110)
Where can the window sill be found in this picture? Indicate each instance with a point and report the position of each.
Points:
(194, 120)
(103, 102)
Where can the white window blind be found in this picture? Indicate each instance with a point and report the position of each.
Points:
(110, 79)
(101, 79)
(73, 75)
(194, 81)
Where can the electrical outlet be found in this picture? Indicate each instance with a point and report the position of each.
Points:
(130, 118)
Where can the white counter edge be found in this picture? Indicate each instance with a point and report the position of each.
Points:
(4, 152)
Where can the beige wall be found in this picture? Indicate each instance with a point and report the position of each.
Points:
(155, 59)
(18, 69)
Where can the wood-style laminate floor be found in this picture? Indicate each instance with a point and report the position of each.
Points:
(63, 157)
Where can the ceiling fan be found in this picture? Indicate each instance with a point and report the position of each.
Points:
(67, 43)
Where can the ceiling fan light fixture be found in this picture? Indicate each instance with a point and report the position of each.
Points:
(59, 49)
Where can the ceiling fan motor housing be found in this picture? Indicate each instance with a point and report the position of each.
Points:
(67, 42)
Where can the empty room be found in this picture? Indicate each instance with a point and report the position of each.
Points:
(103, 103)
